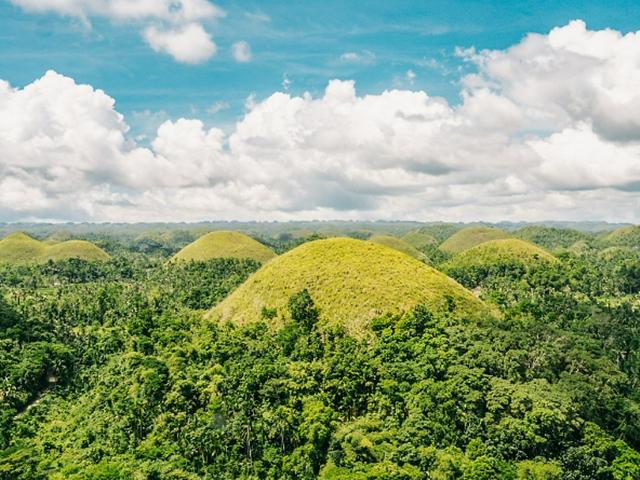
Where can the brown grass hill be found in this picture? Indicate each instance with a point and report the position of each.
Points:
(225, 244)
(470, 237)
(420, 240)
(500, 252)
(399, 245)
(351, 282)
(19, 248)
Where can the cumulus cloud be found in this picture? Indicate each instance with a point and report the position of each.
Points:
(174, 27)
(187, 44)
(241, 52)
(519, 146)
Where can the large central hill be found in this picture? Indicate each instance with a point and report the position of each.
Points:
(470, 237)
(225, 244)
(351, 282)
(19, 248)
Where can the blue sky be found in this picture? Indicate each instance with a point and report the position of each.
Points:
(433, 110)
(300, 40)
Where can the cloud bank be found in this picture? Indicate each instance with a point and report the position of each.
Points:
(174, 27)
(546, 129)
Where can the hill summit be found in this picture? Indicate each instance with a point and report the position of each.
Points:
(470, 237)
(20, 248)
(225, 244)
(351, 282)
(497, 252)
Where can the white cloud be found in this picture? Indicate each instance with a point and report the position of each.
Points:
(170, 24)
(186, 44)
(519, 147)
(241, 52)
(217, 106)
(364, 57)
(411, 76)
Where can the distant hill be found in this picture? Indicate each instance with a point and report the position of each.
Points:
(351, 282)
(225, 244)
(628, 236)
(470, 237)
(420, 240)
(552, 237)
(399, 245)
(497, 252)
(19, 248)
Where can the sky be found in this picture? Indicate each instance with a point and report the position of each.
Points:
(188, 110)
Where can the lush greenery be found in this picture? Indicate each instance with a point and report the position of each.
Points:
(108, 370)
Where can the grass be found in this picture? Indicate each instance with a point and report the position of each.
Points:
(225, 244)
(504, 251)
(19, 248)
(351, 282)
(470, 237)
(628, 236)
(420, 240)
(399, 245)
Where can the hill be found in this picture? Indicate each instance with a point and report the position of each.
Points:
(628, 236)
(74, 249)
(470, 237)
(399, 245)
(551, 237)
(225, 244)
(420, 240)
(500, 252)
(351, 282)
(19, 248)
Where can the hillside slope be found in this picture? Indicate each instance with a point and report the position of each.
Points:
(19, 248)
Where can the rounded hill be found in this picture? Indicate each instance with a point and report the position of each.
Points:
(75, 249)
(351, 282)
(470, 237)
(420, 240)
(551, 237)
(20, 248)
(399, 245)
(225, 244)
(628, 236)
(511, 251)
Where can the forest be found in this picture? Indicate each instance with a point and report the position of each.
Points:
(450, 351)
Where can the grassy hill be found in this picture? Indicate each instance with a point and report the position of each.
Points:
(470, 237)
(225, 244)
(19, 248)
(399, 245)
(551, 237)
(496, 252)
(624, 237)
(351, 282)
(420, 240)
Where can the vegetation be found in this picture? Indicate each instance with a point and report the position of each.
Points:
(19, 248)
(470, 237)
(628, 236)
(399, 245)
(552, 238)
(351, 281)
(420, 240)
(109, 370)
(225, 244)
